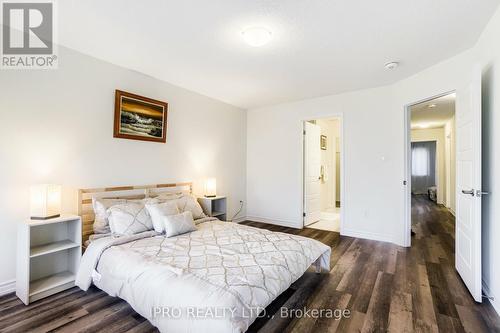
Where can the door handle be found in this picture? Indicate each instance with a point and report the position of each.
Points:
(480, 193)
(471, 192)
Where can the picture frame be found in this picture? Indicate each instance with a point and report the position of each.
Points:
(323, 142)
(139, 118)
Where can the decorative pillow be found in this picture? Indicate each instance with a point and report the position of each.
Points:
(189, 203)
(101, 222)
(101, 206)
(178, 224)
(129, 218)
(159, 210)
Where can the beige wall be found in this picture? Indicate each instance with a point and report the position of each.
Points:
(330, 128)
(435, 134)
(450, 164)
(338, 164)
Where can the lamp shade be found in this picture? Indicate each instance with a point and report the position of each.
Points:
(45, 201)
(210, 187)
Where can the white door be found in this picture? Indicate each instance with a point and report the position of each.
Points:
(468, 214)
(312, 167)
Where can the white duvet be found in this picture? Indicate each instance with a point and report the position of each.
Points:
(215, 279)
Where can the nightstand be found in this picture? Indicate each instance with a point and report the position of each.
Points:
(214, 207)
(48, 256)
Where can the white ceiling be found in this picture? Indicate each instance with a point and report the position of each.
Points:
(423, 116)
(319, 47)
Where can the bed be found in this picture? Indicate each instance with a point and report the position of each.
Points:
(218, 278)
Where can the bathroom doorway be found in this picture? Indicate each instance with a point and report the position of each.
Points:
(322, 173)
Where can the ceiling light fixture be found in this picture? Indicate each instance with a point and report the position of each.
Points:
(432, 106)
(391, 65)
(257, 36)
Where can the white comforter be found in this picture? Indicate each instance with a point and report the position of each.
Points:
(215, 279)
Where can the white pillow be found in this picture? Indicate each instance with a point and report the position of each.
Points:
(178, 224)
(189, 203)
(101, 206)
(129, 218)
(157, 211)
(101, 221)
(185, 202)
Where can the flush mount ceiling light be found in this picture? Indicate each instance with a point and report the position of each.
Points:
(257, 36)
(391, 65)
(432, 106)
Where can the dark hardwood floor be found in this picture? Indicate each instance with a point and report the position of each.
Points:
(385, 287)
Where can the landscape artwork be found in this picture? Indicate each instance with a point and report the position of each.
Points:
(139, 118)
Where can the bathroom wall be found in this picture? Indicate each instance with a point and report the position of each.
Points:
(329, 128)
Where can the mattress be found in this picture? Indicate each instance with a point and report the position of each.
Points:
(215, 279)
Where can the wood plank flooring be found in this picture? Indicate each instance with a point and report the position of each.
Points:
(386, 288)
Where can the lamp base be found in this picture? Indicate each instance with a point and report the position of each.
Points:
(210, 196)
(45, 218)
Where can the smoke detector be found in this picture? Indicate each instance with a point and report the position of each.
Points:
(391, 65)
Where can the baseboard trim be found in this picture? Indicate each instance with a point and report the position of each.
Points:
(239, 219)
(344, 232)
(494, 301)
(368, 235)
(282, 223)
(7, 287)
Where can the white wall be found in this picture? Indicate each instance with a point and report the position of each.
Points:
(374, 151)
(435, 134)
(275, 136)
(57, 126)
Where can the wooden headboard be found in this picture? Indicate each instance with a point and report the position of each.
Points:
(85, 196)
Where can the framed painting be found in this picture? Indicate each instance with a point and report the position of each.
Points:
(139, 118)
(323, 142)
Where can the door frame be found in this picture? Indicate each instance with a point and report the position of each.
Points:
(407, 164)
(340, 117)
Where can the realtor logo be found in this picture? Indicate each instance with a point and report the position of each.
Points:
(28, 35)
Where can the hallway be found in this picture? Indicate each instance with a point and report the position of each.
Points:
(433, 249)
(434, 228)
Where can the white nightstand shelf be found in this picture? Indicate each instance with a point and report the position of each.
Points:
(49, 253)
(41, 250)
(48, 283)
(214, 207)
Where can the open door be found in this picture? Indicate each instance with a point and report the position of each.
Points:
(468, 210)
(312, 167)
